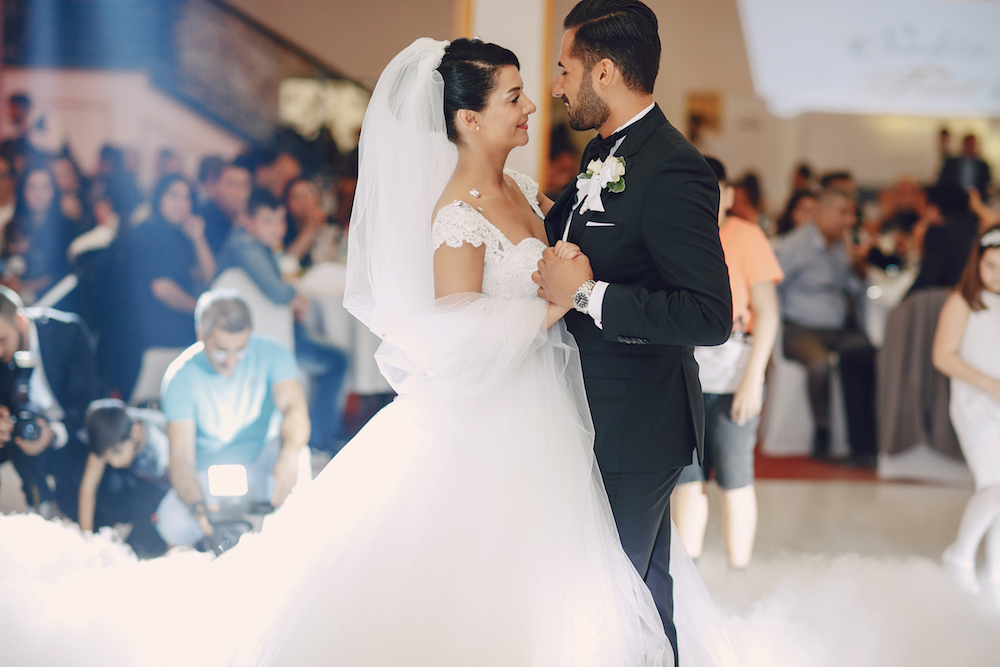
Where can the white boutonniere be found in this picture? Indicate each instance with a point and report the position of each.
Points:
(609, 174)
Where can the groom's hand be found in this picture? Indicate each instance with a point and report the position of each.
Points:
(558, 279)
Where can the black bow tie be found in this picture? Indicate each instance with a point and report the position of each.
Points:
(599, 149)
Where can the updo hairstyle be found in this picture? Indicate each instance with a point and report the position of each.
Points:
(470, 68)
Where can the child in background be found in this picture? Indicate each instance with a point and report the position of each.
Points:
(134, 444)
(967, 349)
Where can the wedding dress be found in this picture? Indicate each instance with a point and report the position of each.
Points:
(466, 524)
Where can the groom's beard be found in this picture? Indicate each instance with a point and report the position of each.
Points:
(590, 111)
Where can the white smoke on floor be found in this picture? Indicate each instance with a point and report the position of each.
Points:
(818, 611)
(70, 600)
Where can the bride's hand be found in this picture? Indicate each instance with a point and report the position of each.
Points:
(565, 250)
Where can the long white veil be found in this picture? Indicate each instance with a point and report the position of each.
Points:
(405, 161)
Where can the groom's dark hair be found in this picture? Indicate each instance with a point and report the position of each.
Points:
(470, 68)
(623, 31)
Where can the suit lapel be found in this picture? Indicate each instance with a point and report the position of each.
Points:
(555, 221)
(579, 223)
(635, 137)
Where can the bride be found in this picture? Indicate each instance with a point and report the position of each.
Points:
(467, 523)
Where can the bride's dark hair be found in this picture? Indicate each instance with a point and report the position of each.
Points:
(469, 69)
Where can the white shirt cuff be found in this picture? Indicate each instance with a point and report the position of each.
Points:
(595, 307)
(62, 436)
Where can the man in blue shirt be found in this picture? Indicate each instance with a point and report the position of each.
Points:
(250, 248)
(219, 398)
(822, 282)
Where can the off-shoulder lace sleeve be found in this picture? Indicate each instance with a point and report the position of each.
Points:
(456, 224)
(528, 187)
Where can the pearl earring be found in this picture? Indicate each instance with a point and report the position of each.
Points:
(477, 128)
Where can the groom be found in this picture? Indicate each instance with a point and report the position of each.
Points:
(661, 280)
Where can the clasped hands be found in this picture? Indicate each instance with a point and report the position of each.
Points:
(561, 271)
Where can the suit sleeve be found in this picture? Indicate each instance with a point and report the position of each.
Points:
(680, 229)
(82, 383)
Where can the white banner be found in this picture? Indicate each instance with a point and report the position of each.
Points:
(934, 57)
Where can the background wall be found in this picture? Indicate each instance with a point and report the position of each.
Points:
(358, 38)
(96, 107)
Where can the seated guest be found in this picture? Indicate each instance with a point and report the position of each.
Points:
(8, 196)
(170, 263)
(49, 351)
(134, 444)
(274, 170)
(250, 248)
(227, 203)
(219, 398)
(822, 276)
(952, 229)
(73, 199)
(39, 235)
(306, 219)
(115, 181)
(209, 170)
(732, 378)
(965, 349)
(801, 208)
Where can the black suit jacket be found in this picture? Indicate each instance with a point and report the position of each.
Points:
(669, 291)
(951, 169)
(67, 355)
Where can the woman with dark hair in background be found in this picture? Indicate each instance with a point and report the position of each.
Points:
(306, 219)
(800, 209)
(170, 265)
(39, 235)
(74, 192)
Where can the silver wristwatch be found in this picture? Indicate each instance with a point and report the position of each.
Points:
(581, 299)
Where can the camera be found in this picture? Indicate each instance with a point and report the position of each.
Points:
(25, 426)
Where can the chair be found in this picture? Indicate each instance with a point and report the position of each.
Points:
(786, 426)
(915, 436)
(269, 318)
(154, 365)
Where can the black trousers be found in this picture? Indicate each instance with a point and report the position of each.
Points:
(641, 505)
(125, 498)
(812, 347)
(61, 465)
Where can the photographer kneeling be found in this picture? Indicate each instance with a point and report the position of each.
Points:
(219, 397)
(48, 377)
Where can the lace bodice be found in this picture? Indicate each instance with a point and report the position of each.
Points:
(507, 267)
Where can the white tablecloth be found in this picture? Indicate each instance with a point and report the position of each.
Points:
(885, 292)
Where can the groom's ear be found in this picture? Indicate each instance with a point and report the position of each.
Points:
(605, 73)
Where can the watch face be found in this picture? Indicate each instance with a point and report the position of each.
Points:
(580, 300)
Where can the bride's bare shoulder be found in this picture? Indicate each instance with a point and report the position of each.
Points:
(451, 194)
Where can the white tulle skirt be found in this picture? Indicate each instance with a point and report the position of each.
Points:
(466, 524)
(458, 528)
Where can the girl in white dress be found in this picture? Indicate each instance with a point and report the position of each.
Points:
(967, 349)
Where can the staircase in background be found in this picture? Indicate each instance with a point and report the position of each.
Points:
(204, 53)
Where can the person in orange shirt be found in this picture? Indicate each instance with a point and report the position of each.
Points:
(732, 377)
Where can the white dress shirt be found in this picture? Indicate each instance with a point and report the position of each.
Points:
(595, 308)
